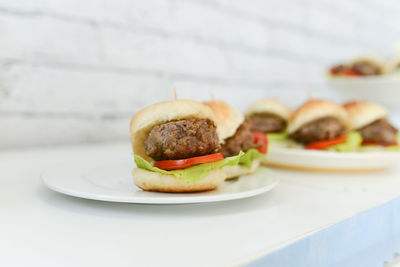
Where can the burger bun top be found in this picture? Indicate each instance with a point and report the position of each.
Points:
(270, 106)
(313, 110)
(362, 113)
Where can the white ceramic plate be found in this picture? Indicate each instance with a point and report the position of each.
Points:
(113, 182)
(331, 161)
(381, 89)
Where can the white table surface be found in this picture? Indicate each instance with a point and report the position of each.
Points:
(44, 228)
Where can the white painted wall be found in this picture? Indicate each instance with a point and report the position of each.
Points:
(75, 71)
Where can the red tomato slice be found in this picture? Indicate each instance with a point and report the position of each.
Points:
(326, 143)
(336, 70)
(349, 73)
(378, 144)
(261, 140)
(184, 163)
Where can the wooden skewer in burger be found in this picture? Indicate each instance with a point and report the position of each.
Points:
(176, 148)
(236, 136)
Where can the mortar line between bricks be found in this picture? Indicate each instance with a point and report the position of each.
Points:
(267, 52)
(102, 115)
(291, 27)
(217, 80)
(208, 41)
(86, 115)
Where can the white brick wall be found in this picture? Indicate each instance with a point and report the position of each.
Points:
(75, 71)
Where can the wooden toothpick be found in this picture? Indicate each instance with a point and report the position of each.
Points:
(211, 95)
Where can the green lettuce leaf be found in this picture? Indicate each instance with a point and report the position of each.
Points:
(393, 148)
(249, 156)
(193, 174)
(281, 136)
(353, 143)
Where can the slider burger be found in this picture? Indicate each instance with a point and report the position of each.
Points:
(361, 66)
(236, 136)
(176, 148)
(319, 124)
(268, 116)
(370, 120)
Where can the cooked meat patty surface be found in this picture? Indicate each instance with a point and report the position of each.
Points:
(182, 139)
(266, 123)
(242, 140)
(319, 130)
(365, 68)
(380, 131)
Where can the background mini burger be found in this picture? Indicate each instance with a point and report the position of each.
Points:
(269, 116)
(182, 136)
(370, 120)
(367, 65)
(319, 124)
(236, 136)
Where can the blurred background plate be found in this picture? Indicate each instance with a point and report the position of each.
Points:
(331, 161)
(382, 89)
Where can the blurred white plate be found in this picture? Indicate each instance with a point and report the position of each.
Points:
(330, 161)
(381, 89)
(113, 182)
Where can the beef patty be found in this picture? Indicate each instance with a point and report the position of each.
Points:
(380, 131)
(182, 139)
(365, 68)
(319, 130)
(266, 123)
(241, 141)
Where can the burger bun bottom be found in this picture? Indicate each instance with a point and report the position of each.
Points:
(232, 172)
(153, 181)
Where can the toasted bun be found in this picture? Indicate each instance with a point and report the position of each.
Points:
(163, 112)
(313, 110)
(228, 117)
(362, 113)
(372, 59)
(237, 170)
(271, 106)
(153, 181)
